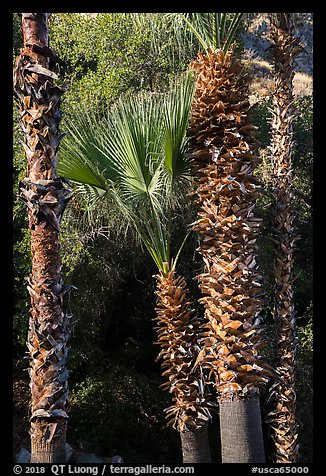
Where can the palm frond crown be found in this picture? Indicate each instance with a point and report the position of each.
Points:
(135, 157)
(212, 30)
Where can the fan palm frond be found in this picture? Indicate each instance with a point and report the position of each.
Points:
(177, 106)
(212, 30)
(135, 155)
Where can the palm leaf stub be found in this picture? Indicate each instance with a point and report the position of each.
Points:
(282, 417)
(178, 332)
(225, 190)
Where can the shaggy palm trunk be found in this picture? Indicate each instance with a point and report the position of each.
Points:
(46, 197)
(178, 331)
(224, 152)
(283, 395)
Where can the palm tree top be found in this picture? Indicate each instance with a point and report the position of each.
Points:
(212, 30)
(135, 158)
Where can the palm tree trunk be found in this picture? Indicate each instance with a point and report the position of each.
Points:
(178, 332)
(225, 189)
(46, 196)
(241, 431)
(195, 445)
(283, 395)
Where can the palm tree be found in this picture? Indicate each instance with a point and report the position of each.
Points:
(46, 196)
(283, 421)
(225, 191)
(135, 159)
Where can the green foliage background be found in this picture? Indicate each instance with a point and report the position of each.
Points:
(115, 399)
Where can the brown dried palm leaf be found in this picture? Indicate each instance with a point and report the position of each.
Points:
(282, 417)
(178, 330)
(46, 196)
(224, 152)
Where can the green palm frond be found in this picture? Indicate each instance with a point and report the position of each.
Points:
(135, 156)
(128, 140)
(177, 106)
(80, 159)
(212, 30)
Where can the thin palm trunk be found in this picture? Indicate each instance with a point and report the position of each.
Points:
(178, 331)
(224, 150)
(283, 419)
(46, 197)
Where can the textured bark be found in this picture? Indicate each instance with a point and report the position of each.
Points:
(241, 431)
(282, 418)
(54, 451)
(46, 196)
(225, 190)
(178, 331)
(195, 445)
